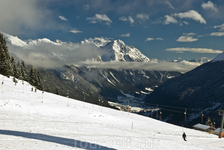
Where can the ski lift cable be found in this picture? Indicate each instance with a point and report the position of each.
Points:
(167, 106)
(190, 109)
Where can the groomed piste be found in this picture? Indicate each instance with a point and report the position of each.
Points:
(36, 120)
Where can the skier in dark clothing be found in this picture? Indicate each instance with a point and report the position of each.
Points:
(184, 136)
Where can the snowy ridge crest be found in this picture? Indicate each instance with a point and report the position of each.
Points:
(117, 50)
(220, 57)
(15, 41)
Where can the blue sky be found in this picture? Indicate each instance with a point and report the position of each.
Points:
(162, 29)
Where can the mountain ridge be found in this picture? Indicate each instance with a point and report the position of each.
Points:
(198, 89)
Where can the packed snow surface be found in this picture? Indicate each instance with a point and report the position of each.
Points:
(35, 120)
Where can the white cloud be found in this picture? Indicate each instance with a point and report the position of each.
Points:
(169, 19)
(100, 18)
(185, 22)
(209, 6)
(126, 35)
(142, 16)
(193, 50)
(74, 30)
(220, 26)
(149, 39)
(49, 54)
(63, 18)
(86, 7)
(191, 14)
(20, 14)
(217, 34)
(182, 66)
(202, 35)
(187, 37)
(129, 19)
(123, 18)
(169, 4)
(161, 39)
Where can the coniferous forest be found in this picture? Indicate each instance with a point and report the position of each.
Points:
(9, 67)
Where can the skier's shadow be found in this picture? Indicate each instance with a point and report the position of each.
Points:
(58, 140)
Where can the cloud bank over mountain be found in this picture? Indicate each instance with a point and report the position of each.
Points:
(49, 54)
(183, 66)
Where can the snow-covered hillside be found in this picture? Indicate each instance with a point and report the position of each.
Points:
(36, 120)
(220, 57)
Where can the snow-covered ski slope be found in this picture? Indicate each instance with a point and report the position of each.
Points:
(61, 123)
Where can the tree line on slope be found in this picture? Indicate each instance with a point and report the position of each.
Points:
(18, 70)
(9, 67)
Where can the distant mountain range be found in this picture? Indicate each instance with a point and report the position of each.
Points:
(114, 50)
(93, 84)
(199, 91)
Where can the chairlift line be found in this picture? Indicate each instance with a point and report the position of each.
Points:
(159, 106)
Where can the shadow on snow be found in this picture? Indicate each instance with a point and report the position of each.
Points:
(58, 140)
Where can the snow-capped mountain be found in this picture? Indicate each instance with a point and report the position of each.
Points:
(106, 49)
(200, 61)
(117, 50)
(15, 41)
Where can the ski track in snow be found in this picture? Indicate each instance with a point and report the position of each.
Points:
(28, 124)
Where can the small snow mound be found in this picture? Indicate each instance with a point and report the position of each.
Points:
(220, 57)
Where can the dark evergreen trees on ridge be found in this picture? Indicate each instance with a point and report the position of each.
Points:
(8, 67)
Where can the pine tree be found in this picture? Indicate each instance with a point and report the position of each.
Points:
(15, 71)
(2, 60)
(5, 47)
(31, 76)
(23, 71)
(1, 37)
(35, 79)
(18, 64)
(42, 86)
(5, 66)
(19, 73)
(39, 81)
(9, 68)
(12, 60)
(48, 89)
(23, 64)
(57, 90)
